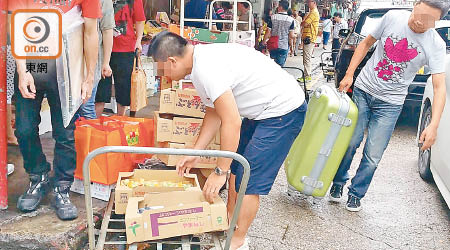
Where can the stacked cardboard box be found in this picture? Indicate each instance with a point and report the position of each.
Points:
(179, 121)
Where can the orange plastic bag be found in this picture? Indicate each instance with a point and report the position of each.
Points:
(111, 131)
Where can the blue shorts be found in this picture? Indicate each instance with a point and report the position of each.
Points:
(265, 144)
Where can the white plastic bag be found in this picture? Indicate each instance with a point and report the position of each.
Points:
(70, 66)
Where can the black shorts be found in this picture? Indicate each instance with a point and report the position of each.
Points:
(122, 66)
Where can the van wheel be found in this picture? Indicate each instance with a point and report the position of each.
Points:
(425, 155)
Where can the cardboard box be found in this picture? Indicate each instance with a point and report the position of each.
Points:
(182, 84)
(172, 160)
(174, 214)
(181, 102)
(165, 82)
(246, 38)
(98, 191)
(124, 193)
(177, 129)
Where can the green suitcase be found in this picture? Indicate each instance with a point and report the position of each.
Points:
(317, 152)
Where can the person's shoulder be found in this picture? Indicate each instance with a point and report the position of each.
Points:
(437, 40)
(397, 13)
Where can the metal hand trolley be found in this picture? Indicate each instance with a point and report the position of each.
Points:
(327, 65)
(305, 89)
(185, 241)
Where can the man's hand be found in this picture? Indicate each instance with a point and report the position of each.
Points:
(346, 83)
(428, 137)
(213, 185)
(86, 88)
(186, 163)
(106, 71)
(26, 85)
(138, 46)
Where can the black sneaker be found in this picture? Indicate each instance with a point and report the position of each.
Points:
(353, 204)
(39, 186)
(336, 192)
(65, 210)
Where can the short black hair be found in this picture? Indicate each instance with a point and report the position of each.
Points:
(227, 5)
(289, 12)
(442, 5)
(167, 44)
(338, 14)
(246, 5)
(284, 4)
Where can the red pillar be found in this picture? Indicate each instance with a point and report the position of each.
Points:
(3, 143)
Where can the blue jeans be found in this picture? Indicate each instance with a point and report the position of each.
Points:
(326, 36)
(335, 46)
(379, 118)
(265, 144)
(279, 55)
(87, 110)
(27, 129)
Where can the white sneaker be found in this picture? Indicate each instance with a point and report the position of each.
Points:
(10, 168)
(244, 246)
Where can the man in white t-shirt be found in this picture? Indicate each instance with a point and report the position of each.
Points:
(381, 88)
(235, 81)
(339, 24)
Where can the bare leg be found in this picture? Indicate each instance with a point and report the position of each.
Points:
(249, 209)
(232, 195)
(121, 110)
(99, 107)
(9, 130)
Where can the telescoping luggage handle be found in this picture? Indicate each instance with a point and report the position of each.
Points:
(338, 121)
(165, 151)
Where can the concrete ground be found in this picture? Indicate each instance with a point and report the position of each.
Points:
(400, 211)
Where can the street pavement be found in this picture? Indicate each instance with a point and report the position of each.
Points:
(400, 211)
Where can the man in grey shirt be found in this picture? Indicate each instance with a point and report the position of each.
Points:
(282, 26)
(382, 86)
(105, 37)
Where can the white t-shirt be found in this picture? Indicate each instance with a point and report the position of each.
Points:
(400, 53)
(261, 88)
(327, 25)
(339, 26)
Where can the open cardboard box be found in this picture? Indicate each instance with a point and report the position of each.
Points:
(174, 214)
(124, 193)
(182, 102)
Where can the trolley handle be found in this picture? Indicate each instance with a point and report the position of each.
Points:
(166, 151)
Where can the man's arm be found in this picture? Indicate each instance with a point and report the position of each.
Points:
(107, 49)
(139, 32)
(226, 108)
(267, 35)
(90, 54)
(358, 56)
(428, 136)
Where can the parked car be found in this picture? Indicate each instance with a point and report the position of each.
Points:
(369, 19)
(434, 163)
